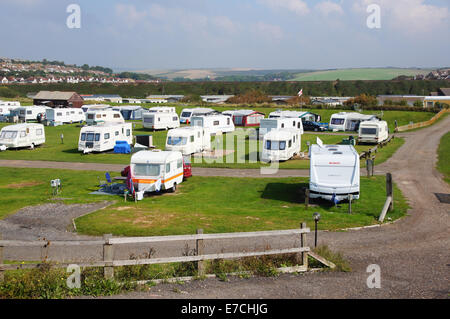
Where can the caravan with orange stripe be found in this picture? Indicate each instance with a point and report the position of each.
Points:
(156, 170)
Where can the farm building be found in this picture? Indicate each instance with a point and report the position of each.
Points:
(246, 117)
(218, 99)
(441, 92)
(58, 99)
(430, 101)
(163, 98)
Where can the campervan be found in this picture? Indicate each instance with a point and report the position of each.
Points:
(334, 172)
(187, 114)
(156, 170)
(373, 132)
(130, 112)
(160, 120)
(103, 137)
(103, 116)
(266, 125)
(345, 121)
(64, 115)
(22, 135)
(29, 113)
(215, 124)
(162, 109)
(188, 140)
(281, 145)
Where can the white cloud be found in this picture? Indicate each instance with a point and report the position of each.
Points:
(408, 16)
(129, 14)
(327, 7)
(299, 7)
(270, 31)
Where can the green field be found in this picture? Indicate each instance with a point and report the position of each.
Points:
(215, 204)
(54, 150)
(443, 164)
(357, 74)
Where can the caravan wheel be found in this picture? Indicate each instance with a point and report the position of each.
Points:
(174, 188)
(32, 146)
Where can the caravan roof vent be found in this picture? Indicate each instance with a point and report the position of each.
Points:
(332, 149)
(337, 153)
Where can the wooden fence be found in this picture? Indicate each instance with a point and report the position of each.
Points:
(109, 243)
(422, 124)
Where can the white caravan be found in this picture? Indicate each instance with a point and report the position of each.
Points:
(267, 125)
(64, 115)
(334, 172)
(160, 120)
(188, 140)
(373, 132)
(100, 138)
(29, 113)
(156, 170)
(281, 145)
(187, 114)
(105, 116)
(7, 106)
(215, 124)
(306, 116)
(22, 135)
(345, 121)
(96, 107)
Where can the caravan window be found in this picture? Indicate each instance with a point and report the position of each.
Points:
(8, 134)
(172, 140)
(180, 163)
(282, 125)
(185, 114)
(39, 131)
(228, 121)
(368, 131)
(117, 133)
(29, 112)
(290, 143)
(90, 116)
(116, 116)
(106, 137)
(128, 132)
(282, 145)
(97, 137)
(59, 114)
(146, 169)
(168, 168)
(192, 138)
(337, 121)
(90, 137)
(216, 123)
(175, 118)
(83, 136)
(23, 134)
(298, 125)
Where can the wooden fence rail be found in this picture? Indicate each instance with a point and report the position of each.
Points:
(109, 243)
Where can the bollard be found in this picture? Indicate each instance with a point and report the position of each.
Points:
(303, 245)
(390, 190)
(200, 249)
(307, 198)
(2, 275)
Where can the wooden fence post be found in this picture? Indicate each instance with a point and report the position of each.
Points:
(307, 198)
(390, 190)
(303, 245)
(2, 275)
(200, 249)
(108, 257)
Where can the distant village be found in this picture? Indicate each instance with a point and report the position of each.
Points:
(13, 71)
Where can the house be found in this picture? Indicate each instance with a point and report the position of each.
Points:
(410, 99)
(5, 80)
(430, 101)
(443, 92)
(58, 99)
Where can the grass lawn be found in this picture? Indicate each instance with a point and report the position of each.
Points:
(216, 204)
(443, 164)
(357, 74)
(54, 150)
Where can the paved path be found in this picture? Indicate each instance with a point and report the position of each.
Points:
(413, 253)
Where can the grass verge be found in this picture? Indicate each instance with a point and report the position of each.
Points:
(443, 164)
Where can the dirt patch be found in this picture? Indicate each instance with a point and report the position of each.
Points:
(22, 185)
(123, 208)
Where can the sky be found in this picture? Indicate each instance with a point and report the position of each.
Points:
(262, 34)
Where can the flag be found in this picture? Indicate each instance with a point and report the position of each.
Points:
(300, 93)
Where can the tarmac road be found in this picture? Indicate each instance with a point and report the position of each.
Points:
(413, 253)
